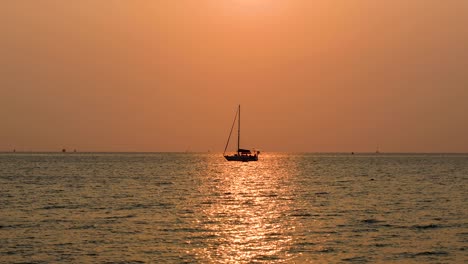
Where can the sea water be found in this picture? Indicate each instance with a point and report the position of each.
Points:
(199, 208)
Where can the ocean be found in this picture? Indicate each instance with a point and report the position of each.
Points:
(199, 208)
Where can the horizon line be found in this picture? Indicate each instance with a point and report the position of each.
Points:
(220, 152)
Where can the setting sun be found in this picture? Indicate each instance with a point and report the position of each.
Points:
(240, 8)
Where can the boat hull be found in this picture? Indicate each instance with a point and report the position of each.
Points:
(242, 158)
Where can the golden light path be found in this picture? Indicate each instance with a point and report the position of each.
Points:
(247, 219)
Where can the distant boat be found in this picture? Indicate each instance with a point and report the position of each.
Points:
(242, 154)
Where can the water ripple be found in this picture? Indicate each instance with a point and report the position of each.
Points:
(198, 208)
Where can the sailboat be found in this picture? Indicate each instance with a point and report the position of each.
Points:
(242, 154)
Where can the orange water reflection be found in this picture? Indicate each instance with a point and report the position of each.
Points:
(246, 215)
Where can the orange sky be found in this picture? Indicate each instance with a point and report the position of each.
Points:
(167, 75)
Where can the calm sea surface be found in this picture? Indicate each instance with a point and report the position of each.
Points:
(199, 208)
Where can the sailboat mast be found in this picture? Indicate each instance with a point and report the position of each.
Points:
(238, 132)
(230, 133)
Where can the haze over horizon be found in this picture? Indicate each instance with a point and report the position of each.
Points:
(311, 76)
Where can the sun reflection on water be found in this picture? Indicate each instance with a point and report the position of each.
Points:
(245, 215)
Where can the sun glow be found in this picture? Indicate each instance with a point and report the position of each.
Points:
(255, 8)
(257, 3)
